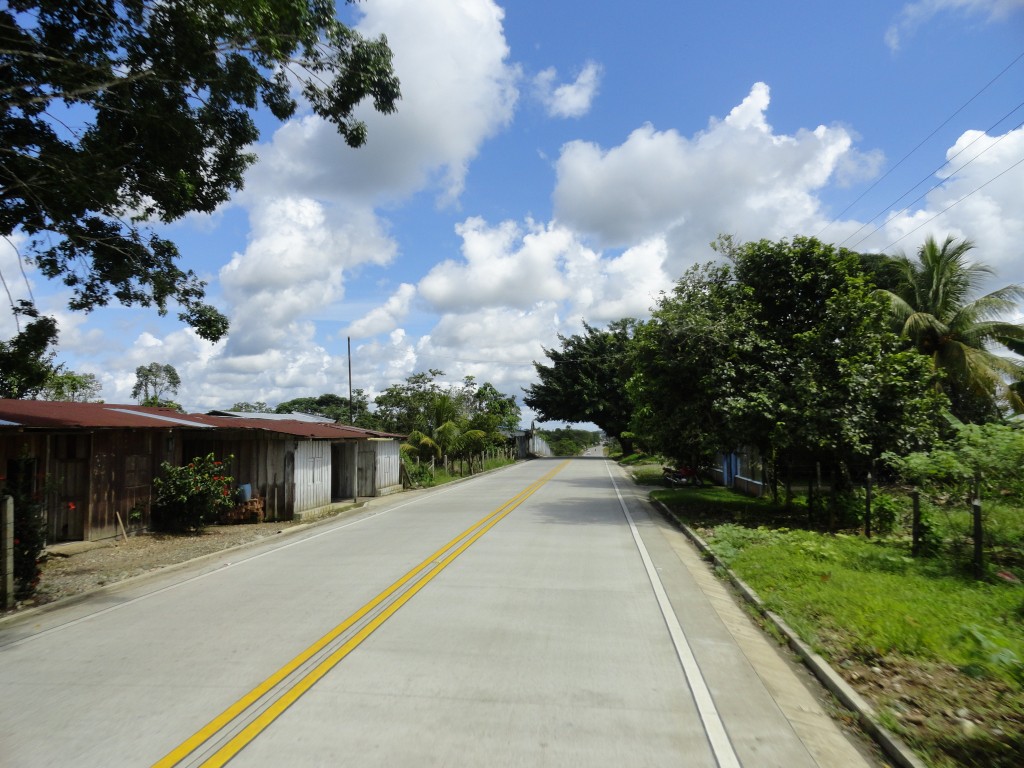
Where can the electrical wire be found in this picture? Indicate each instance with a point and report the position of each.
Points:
(921, 144)
(930, 175)
(951, 205)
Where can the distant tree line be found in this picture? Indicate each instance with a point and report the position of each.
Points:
(442, 422)
(567, 441)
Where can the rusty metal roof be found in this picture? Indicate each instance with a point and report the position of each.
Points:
(295, 427)
(42, 414)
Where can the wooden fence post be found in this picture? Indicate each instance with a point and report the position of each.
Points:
(979, 533)
(6, 553)
(915, 523)
(867, 509)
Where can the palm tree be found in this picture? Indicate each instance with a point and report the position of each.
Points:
(933, 309)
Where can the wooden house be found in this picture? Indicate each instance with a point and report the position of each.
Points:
(93, 464)
(301, 467)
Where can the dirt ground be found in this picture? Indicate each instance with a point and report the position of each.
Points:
(69, 571)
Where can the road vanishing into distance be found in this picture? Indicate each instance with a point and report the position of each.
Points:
(539, 615)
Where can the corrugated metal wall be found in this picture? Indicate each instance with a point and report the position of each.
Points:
(312, 475)
(388, 466)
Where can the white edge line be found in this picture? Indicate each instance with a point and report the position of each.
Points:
(722, 748)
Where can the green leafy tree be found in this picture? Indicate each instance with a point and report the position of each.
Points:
(496, 414)
(586, 381)
(26, 360)
(455, 421)
(691, 358)
(154, 382)
(341, 409)
(993, 453)
(785, 349)
(566, 441)
(116, 113)
(246, 407)
(934, 310)
(421, 403)
(359, 413)
(412, 405)
(421, 447)
(831, 366)
(71, 387)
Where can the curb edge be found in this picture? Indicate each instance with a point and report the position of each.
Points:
(893, 746)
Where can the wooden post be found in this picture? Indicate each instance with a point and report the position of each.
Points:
(832, 500)
(867, 509)
(915, 526)
(121, 525)
(351, 408)
(6, 553)
(355, 471)
(979, 533)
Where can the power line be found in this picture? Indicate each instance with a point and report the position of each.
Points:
(930, 175)
(934, 186)
(921, 144)
(957, 202)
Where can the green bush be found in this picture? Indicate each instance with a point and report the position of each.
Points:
(887, 512)
(190, 497)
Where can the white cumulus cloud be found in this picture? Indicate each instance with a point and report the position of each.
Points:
(737, 176)
(385, 318)
(568, 99)
(914, 15)
(501, 266)
(458, 90)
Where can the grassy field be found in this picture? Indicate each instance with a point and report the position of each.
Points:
(939, 654)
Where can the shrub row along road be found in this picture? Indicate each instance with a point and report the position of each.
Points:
(535, 616)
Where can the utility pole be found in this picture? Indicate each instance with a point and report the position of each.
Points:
(351, 407)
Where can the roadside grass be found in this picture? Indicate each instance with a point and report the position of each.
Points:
(439, 476)
(940, 654)
(497, 462)
(637, 459)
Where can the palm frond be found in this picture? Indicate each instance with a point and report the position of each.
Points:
(920, 323)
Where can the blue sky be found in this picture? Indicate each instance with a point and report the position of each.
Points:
(560, 162)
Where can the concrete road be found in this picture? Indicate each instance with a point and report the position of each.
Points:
(536, 616)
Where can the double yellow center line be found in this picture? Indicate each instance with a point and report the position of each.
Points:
(266, 702)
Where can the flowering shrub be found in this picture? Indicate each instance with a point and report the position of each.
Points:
(189, 497)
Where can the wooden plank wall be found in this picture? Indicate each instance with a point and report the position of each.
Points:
(262, 460)
(68, 486)
(367, 470)
(18, 445)
(388, 466)
(123, 465)
(341, 471)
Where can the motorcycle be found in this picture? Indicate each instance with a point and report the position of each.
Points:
(675, 477)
